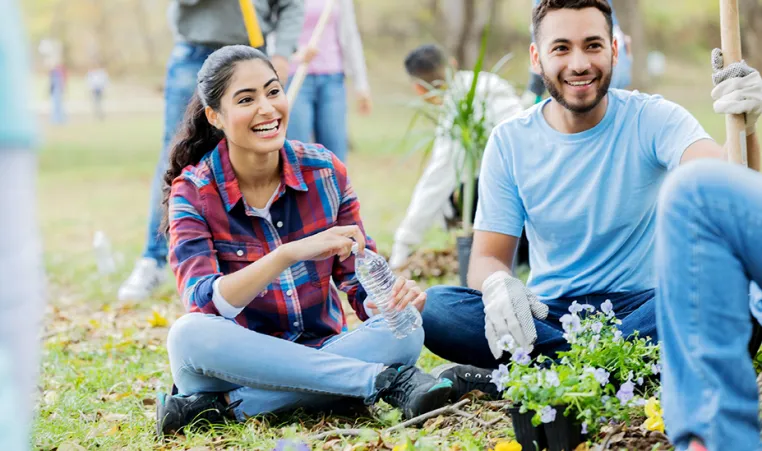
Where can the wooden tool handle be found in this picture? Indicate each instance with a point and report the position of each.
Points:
(730, 33)
(301, 70)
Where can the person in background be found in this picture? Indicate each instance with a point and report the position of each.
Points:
(22, 297)
(259, 229)
(200, 27)
(708, 250)
(319, 113)
(97, 80)
(431, 199)
(621, 78)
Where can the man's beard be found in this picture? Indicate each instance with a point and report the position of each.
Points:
(554, 92)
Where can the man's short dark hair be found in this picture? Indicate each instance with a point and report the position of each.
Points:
(545, 6)
(426, 62)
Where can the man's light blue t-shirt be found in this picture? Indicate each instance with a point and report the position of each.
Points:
(587, 200)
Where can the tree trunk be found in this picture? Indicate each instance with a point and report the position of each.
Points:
(631, 20)
(465, 21)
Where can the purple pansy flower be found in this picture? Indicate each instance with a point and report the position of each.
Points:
(521, 357)
(597, 327)
(626, 392)
(607, 308)
(288, 445)
(584, 427)
(547, 414)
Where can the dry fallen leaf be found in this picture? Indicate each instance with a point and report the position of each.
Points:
(157, 320)
(115, 417)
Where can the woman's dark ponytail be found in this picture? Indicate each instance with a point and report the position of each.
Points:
(196, 136)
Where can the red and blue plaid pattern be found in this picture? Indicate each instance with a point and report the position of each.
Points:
(213, 232)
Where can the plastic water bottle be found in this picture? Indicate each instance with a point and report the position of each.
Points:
(104, 259)
(378, 280)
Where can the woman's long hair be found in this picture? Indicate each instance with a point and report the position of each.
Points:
(196, 136)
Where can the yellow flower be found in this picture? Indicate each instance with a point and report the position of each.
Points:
(655, 422)
(402, 447)
(513, 445)
(653, 408)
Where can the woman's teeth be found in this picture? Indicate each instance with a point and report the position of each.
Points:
(267, 128)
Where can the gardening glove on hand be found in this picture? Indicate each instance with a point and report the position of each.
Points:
(509, 308)
(737, 90)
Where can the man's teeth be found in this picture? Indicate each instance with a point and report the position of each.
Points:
(580, 83)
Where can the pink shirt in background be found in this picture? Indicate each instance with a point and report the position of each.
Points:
(329, 58)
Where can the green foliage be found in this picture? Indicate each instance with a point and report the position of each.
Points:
(594, 381)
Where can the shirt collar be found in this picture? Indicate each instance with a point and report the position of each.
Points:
(227, 184)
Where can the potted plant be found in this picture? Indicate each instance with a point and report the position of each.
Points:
(601, 378)
(467, 127)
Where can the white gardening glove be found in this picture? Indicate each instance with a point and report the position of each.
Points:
(508, 310)
(737, 90)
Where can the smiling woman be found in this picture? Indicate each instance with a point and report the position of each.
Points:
(259, 227)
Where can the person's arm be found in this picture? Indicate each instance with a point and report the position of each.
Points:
(289, 27)
(500, 214)
(354, 54)
(490, 252)
(349, 215)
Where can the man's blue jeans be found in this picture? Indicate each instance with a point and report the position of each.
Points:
(454, 323)
(708, 250)
(180, 84)
(209, 353)
(319, 113)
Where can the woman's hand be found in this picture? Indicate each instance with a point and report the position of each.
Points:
(334, 241)
(306, 54)
(404, 292)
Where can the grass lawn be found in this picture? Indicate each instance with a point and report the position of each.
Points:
(104, 361)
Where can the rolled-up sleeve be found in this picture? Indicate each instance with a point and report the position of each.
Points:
(192, 256)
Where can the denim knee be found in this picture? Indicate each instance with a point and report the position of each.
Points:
(411, 347)
(689, 184)
(185, 337)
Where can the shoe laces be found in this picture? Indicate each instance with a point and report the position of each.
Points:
(397, 388)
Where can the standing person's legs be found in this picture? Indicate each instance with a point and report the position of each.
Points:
(21, 296)
(301, 118)
(268, 374)
(708, 247)
(180, 84)
(453, 320)
(331, 115)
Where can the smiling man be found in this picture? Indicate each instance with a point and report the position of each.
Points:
(581, 171)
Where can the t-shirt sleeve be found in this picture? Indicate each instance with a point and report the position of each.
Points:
(666, 130)
(500, 208)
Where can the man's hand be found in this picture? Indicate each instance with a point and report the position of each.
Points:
(281, 67)
(737, 90)
(364, 103)
(509, 308)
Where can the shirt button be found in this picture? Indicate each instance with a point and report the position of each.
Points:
(239, 253)
(279, 224)
(289, 293)
(296, 323)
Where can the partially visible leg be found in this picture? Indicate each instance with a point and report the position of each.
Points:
(331, 115)
(454, 323)
(22, 302)
(268, 374)
(708, 247)
(371, 342)
(180, 84)
(302, 113)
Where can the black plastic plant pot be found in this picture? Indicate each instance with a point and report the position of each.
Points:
(464, 254)
(563, 433)
(530, 437)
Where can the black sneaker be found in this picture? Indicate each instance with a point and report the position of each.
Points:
(173, 413)
(465, 379)
(411, 390)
